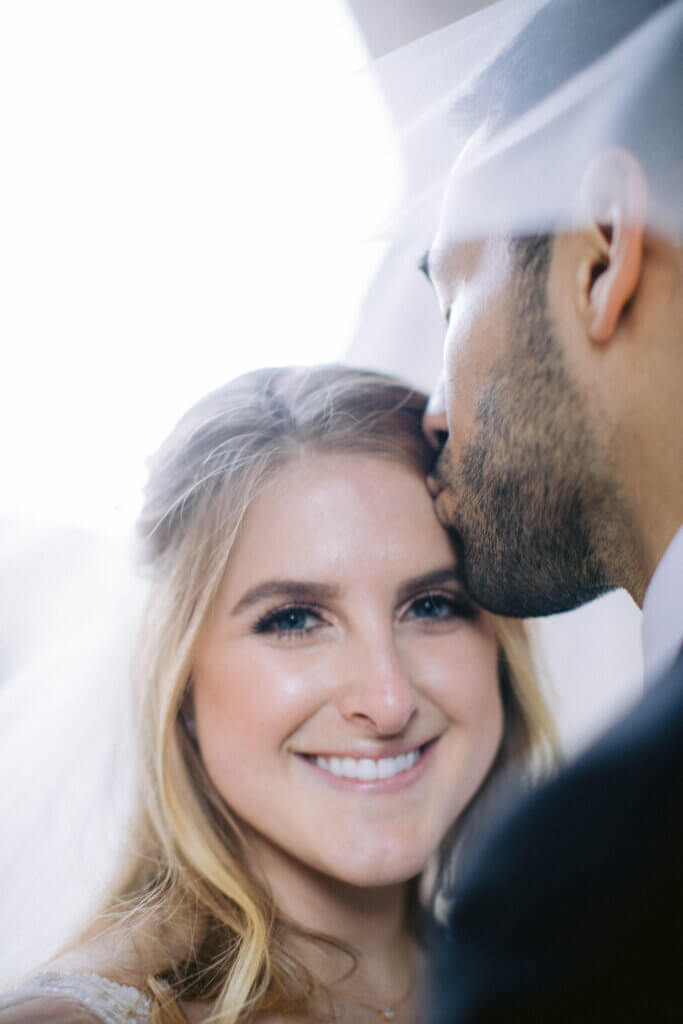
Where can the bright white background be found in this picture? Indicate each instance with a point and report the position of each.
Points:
(183, 188)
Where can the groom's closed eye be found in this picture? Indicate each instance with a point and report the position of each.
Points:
(426, 266)
(423, 265)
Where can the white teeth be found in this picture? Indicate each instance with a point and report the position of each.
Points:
(367, 769)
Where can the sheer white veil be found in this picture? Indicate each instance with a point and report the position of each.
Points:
(507, 111)
(70, 604)
(511, 104)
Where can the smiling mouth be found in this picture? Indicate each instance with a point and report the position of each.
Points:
(369, 769)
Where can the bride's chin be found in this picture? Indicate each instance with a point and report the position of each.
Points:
(381, 873)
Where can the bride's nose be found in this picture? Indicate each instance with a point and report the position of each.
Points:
(378, 693)
(434, 422)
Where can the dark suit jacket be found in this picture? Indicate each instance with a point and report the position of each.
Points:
(573, 909)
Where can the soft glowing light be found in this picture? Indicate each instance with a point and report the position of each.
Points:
(184, 187)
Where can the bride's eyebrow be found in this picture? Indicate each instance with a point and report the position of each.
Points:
(431, 579)
(292, 590)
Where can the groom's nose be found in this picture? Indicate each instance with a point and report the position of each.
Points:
(434, 422)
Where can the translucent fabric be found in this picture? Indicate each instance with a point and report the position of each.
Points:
(510, 105)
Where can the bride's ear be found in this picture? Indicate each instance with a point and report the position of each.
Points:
(614, 194)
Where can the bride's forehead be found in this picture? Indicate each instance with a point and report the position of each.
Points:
(313, 466)
(340, 480)
(333, 507)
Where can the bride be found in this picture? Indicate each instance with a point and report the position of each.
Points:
(322, 711)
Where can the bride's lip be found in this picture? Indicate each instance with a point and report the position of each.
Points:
(402, 779)
(373, 751)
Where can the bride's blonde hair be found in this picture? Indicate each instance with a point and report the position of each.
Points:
(211, 930)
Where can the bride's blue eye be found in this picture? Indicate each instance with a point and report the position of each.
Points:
(294, 619)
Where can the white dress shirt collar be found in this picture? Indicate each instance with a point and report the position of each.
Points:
(663, 612)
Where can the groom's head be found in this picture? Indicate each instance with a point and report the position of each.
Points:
(563, 368)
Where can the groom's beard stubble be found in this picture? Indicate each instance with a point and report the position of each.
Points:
(531, 497)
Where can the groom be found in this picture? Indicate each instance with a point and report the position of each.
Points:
(562, 474)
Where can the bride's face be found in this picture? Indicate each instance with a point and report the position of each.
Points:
(345, 687)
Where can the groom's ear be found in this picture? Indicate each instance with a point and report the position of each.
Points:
(614, 196)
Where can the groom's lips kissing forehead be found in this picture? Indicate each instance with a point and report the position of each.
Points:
(440, 492)
(434, 486)
(440, 485)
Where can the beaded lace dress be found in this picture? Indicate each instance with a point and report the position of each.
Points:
(111, 1002)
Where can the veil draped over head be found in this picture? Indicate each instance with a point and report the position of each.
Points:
(506, 111)
(513, 103)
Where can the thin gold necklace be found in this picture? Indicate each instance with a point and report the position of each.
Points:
(384, 1012)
